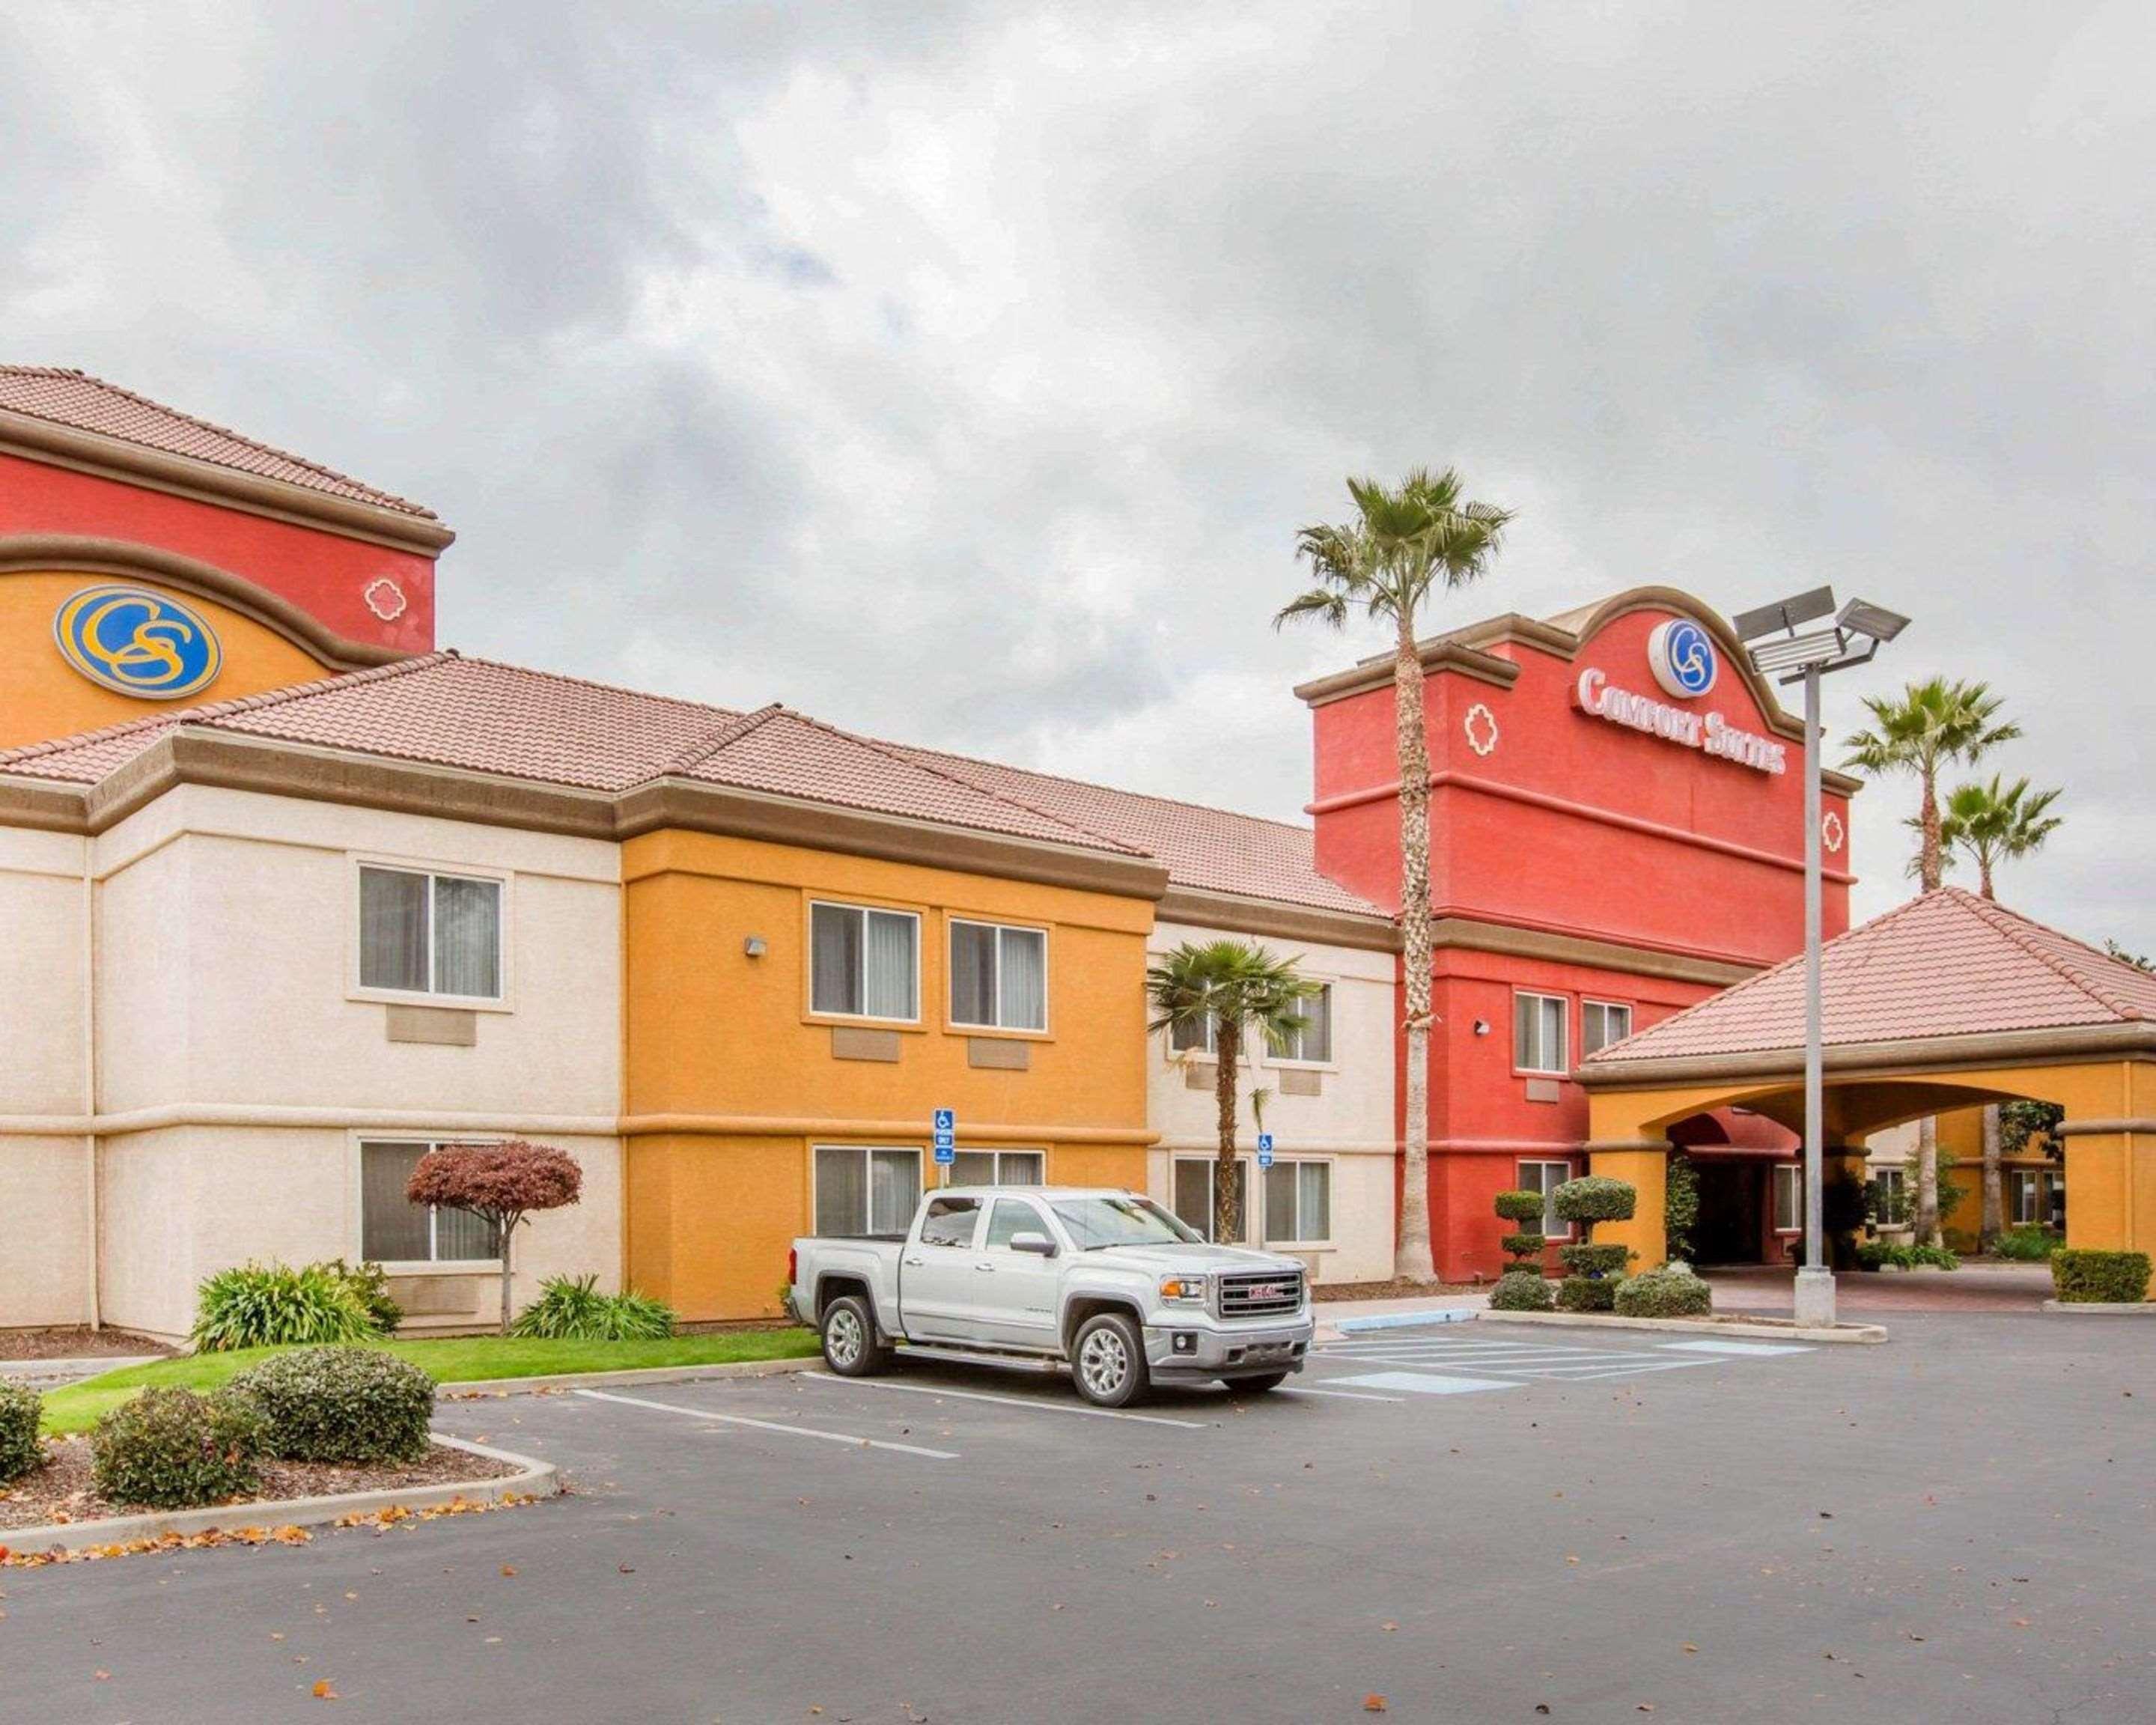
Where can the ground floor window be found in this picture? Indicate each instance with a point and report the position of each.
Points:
(1298, 1203)
(2024, 1197)
(1889, 1200)
(866, 1191)
(1789, 1198)
(1000, 1167)
(1192, 1199)
(392, 1229)
(1545, 1177)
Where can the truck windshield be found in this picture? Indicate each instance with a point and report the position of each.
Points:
(1093, 1223)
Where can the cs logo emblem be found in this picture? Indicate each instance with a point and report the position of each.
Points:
(137, 642)
(1683, 658)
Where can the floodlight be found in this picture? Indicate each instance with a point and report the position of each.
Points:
(1783, 615)
(1822, 647)
(1876, 621)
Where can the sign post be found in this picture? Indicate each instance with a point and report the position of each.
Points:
(944, 1123)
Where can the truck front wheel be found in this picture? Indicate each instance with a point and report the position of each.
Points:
(851, 1346)
(1108, 1361)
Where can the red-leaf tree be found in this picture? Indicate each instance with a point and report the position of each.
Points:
(501, 1183)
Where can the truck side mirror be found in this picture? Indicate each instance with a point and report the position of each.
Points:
(1031, 1242)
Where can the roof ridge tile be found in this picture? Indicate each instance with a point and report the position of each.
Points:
(1112, 790)
(705, 748)
(2016, 928)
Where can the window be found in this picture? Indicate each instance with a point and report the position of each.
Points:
(998, 977)
(1012, 1217)
(1121, 1220)
(866, 1191)
(1789, 1198)
(1313, 1042)
(1299, 1201)
(1545, 1177)
(2025, 1195)
(864, 964)
(392, 1229)
(1890, 1207)
(949, 1221)
(1193, 1195)
(1193, 1036)
(430, 934)
(1000, 1167)
(1602, 1023)
(1539, 1033)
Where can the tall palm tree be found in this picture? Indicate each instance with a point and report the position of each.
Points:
(1404, 543)
(1230, 989)
(1992, 823)
(1929, 726)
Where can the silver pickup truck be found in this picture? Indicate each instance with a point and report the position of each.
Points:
(1105, 1282)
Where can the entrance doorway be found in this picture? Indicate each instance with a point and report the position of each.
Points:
(1732, 1197)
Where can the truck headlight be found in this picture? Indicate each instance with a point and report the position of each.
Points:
(1184, 1289)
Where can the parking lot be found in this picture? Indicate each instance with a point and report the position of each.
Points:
(1471, 1522)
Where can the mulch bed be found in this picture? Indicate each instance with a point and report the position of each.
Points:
(73, 1342)
(61, 1490)
(1395, 1288)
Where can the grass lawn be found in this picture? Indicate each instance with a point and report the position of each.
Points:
(450, 1359)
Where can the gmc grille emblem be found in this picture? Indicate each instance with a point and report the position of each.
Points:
(1268, 1289)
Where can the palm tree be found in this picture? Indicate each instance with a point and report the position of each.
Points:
(1992, 824)
(1228, 988)
(1930, 726)
(1403, 544)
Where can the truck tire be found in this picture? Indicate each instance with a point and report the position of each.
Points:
(851, 1346)
(1255, 1386)
(1108, 1361)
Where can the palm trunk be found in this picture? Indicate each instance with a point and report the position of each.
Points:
(1995, 1196)
(1928, 1182)
(1227, 1171)
(1412, 1261)
(1931, 861)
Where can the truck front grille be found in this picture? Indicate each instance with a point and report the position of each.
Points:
(1262, 1294)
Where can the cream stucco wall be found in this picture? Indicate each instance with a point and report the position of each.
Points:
(1349, 1124)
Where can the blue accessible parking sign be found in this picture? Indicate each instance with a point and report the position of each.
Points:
(1264, 1149)
(945, 1123)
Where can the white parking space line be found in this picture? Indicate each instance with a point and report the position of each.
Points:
(1759, 1348)
(1423, 1383)
(1345, 1395)
(807, 1431)
(1008, 1401)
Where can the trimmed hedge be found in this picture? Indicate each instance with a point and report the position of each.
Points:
(1596, 1198)
(20, 1450)
(1520, 1206)
(1580, 1293)
(1589, 1260)
(1521, 1291)
(1524, 1245)
(1664, 1293)
(2082, 1277)
(340, 1404)
(172, 1448)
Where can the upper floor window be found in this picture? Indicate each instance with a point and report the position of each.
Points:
(864, 963)
(1193, 1036)
(1313, 1042)
(998, 977)
(430, 934)
(1538, 1034)
(1601, 1022)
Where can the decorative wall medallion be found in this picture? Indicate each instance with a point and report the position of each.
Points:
(1481, 727)
(385, 599)
(140, 643)
(1683, 658)
(1832, 834)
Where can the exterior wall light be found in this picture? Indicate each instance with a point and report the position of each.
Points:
(755, 946)
(1481, 1027)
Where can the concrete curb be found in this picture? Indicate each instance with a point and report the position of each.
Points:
(534, 1479)
(28, 1371)
(480, 1388)
(2110, 1308)
(1403, 1320)
(1861, 1334)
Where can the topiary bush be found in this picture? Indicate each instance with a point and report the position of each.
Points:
(1589, 1260)
(274, 1304)
(1585, 1293)
(1521, 1291)
(1596, 1198)
(20, 1408)
(1520, 1206)
(2081, 1277)
(1592, 1199)
(172, 1448)
(1526, 1247)
(1664, 1293)
(340, 1404)
(571, 1309)
(2028, 1243)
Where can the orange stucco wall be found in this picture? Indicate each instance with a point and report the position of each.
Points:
(731, 1080)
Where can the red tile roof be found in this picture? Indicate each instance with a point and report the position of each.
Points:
(87, 403)
(1948, 963)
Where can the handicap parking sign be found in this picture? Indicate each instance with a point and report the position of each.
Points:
(1264, 1149)
(946, 1123)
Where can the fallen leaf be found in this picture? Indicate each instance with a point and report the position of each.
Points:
(509, 1569)
(323, 1692)
(1375, 1704)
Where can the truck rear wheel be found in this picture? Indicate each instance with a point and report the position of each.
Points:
(1108, 1361)
(851, 1346)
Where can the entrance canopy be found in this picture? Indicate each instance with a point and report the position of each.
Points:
(1947, 1002)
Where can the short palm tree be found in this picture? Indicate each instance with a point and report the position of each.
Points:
(1230, 989)
(1929, 726)
(1405, 543)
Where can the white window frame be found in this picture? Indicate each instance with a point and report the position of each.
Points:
(808, 980)
(952, 924)
(1298, 1164)
(1253, 1195)
(1553, 1226)
(2030, 1180)
(1893, 1194)
(1586, 1006)
(1563, 1067)
(1791, 1173)
(1208, 1049)
(400, 1266)
(503, 882)
(1329, 1062)
(947, 1175)
(868, 1185)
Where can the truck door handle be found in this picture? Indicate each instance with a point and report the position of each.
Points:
(916, 1262)
(990, 1268)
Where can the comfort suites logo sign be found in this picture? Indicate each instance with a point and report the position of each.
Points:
(1684, 663)
(137, 642)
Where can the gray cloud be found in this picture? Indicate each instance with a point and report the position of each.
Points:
(961, 375)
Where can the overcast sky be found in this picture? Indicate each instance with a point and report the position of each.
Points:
(960, 374)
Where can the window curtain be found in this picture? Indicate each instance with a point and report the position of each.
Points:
(835, 940)
(894, 1190)
(888, 988)
(1279, 1202)
(1314, 1210)
(467, 938)
(459, 1234)
(1193, 1194)
(1024, 980)
(393, 930)
(1314, 1042)
(391, 1228)
(842, 1192)
(973, 1167)
(1190, 1034)
(1020, 1167)
(973, 974)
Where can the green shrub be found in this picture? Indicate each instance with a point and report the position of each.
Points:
(571, 1309)
(1664, 1293)
(340, 1404)
(20, 1450)
(1520, 1290)
(1878, 1254)
(2031, 1244)
(1596, 1198)
(1520, 1206)
(1524, 1266)
(1524, 1245)
(2082, 1277)
(1680, 1206)
(1581, 1293)
(172, 1448)
(1588, 1259)
(274, 1304)
(370, 1282)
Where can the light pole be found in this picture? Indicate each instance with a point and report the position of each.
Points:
(1780, 648)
